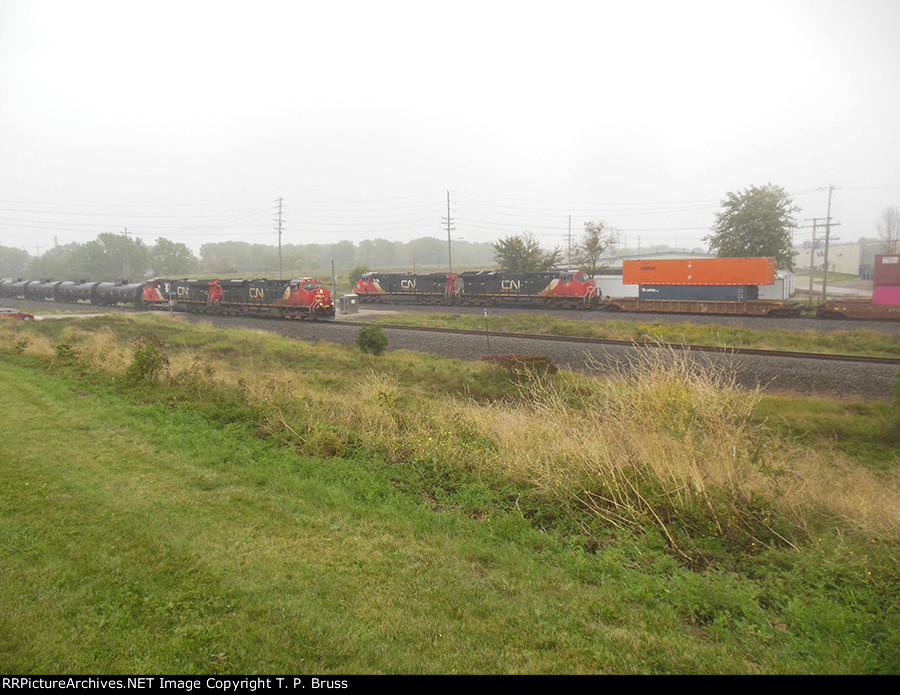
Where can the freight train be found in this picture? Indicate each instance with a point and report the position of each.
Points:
(305, 298)
(728, 286)
(717, 286)
(562, 290)
(558, 289)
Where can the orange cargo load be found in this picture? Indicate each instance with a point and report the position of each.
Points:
(700, 271)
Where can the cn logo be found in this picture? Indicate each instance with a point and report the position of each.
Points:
(514, 285)
(408, 284)
(256, 293)
(181, 291)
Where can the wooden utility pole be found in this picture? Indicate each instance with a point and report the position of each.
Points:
(127, 259)
(449, 229)
(816, 223)
(280, 228)
(827, 239)
(812, 258)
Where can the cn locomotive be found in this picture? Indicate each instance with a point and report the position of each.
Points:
(305, 298)
(558, 289)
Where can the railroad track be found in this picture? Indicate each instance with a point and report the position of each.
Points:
(640, 344)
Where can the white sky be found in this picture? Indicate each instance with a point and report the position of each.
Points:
(189, 119)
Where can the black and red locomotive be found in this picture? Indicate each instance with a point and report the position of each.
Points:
(305, 298)
(563, 289)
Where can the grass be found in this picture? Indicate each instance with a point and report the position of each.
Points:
(861, 342)
(236, 502)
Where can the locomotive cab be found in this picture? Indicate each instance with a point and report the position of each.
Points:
(311, 292)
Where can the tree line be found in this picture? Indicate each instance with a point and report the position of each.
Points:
(115, 257)
(757, 221)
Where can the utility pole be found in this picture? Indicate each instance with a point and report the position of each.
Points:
(827, 238)
(449, 229)
(127, 259)
(812, 257)
(279, 220)
(570, 241)
(816, 223)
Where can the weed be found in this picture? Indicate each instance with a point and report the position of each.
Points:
(372, 339)
(148, 361)
(65, 352)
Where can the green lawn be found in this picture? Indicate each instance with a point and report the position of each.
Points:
(138, 535)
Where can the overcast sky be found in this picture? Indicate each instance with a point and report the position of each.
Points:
(189, 119)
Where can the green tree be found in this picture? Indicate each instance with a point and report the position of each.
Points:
(597, 237)
(427, 251)
(355, 274)
(756, 222)
(522, 253)
(171, 258)
(13, 262)
(379, 253)
(57, 263)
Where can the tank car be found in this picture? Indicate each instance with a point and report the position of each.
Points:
(113, 293)
(75, 291)
(13, 289)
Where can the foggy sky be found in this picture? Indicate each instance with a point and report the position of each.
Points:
(189, 120)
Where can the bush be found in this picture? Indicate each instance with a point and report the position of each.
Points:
(148, 362)
(372, 339)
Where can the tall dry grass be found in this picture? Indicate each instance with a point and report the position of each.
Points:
(669, 440)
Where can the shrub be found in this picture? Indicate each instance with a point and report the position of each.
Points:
(65, 352)
(372, 339)
(149, 360)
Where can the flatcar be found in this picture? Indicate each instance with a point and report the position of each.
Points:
(858, 309)
(755, 307)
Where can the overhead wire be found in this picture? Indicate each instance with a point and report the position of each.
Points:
(478, 215)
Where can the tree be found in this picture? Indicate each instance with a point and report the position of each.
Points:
(522, 253)
(109, 257)
(356, 273)
(13, 262)
(756, 222)
(427, 251)
(169, 258)
(889, 230)
(598, 236)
